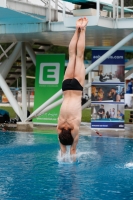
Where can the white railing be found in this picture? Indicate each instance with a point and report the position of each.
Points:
(54, 9)
(58, 5)
(119, 11)
(59, 8)
(116, 12)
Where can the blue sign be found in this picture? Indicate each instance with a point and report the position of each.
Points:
(107, 91)
(116, 58)
(105, 125)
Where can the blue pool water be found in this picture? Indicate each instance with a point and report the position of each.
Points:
(31, 169)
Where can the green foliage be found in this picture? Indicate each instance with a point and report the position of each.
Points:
(128, 3)
(127, 116)
(128, 55)
(5, 46)
(86, 115)
(59, 50)
(31, 72)
(88, 54)
(10, 110)
(30, 82)
(12, 114)
(64, 50)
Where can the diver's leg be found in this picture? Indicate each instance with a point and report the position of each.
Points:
(72, 52)
(79, 72)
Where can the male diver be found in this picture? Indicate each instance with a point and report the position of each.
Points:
(72, 86)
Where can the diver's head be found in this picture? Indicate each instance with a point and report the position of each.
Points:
(65, 137)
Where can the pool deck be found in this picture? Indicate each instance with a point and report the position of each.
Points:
(87, 131)
(84, 130)
(126, 133)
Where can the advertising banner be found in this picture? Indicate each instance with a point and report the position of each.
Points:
(107, 91)
(49, 77)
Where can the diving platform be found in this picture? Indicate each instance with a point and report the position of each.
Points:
(23, 21)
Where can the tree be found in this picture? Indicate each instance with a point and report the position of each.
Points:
(128, 3)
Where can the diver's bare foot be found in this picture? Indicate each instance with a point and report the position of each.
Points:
(79, 23)
(84, 23)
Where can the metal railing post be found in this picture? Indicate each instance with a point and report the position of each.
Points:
(24, 81)
(114, 9)
(56, 10)
(49, 13)
(64, 7)
(122, 8)
(117, 11)
(98, 8)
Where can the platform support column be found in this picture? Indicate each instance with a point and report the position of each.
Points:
(29, 100)
(8, 49)
(49, 13)
(115, 7)
(98, 9)
(23, 79)
(128, 73)
(31, 53)
(56, 10)
(88, 103)
(64, 10)
(7, 64)
(10, 97)
(89, 81)
(122, 9)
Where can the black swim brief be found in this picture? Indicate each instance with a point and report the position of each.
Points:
(71, 84)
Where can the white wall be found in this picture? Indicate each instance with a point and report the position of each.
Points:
(3, 3)
(128, 100)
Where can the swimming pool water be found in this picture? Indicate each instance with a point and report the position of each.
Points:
(30, 168)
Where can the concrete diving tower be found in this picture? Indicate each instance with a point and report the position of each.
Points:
(22, 21)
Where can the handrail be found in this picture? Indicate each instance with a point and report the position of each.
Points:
(121, 8)
(60, 4)
(59, 7)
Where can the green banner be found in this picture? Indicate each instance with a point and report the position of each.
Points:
(49, 77)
